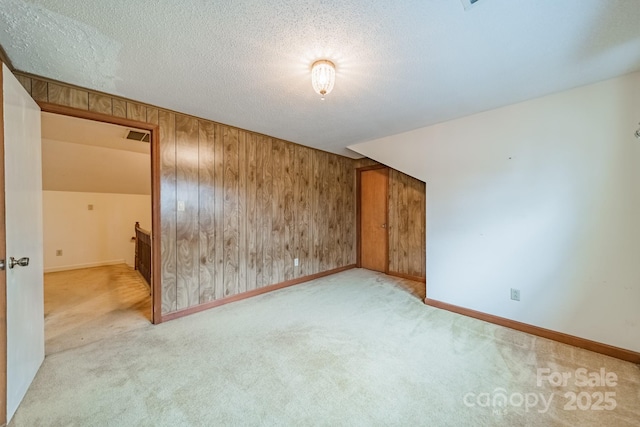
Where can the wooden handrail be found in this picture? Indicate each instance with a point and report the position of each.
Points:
(142, 261)
(142, 230)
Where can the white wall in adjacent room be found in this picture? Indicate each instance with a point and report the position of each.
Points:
(91, 237)
(542, 196)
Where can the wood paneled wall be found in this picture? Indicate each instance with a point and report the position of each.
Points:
(407, 226)
(252, 203)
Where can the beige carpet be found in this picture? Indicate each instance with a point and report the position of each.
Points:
(92, 304)
(350, 349)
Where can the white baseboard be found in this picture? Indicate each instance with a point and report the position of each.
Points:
(80, 266)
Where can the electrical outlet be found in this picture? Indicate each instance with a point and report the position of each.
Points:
(180, 206)
(296, 262)
(515, 294)
(58, 252)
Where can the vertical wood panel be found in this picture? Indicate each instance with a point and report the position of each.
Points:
(340, 214)
(406, 225)
(320, 215)
(39, 90)
(313, 206)
(206, 210)
(333, 202)
(330, 203)
(119, 107)
(59, 94)
(302, 192)
(403, 221)
(100, 104)
(277, 216)
(136, 112)
(341, 190)
(393, 226)
(350, 212)
(243, 251)
(218, 225)
(152, 115)
(188, 247)
(67, 96)
(416, 227)
(365, 161)
(168, 210)
(79, 99)
(252, 228)
(231, 182)
(289, 209)
(265, 152)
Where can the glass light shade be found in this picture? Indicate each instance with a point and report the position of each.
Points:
(323, 77)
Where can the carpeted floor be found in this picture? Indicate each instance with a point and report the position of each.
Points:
(92, 304)
(350, 349)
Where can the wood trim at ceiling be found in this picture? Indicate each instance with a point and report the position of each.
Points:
(3, 272)
(155, 188)
(617, 352)
(359, 214)
(206, 306)
(91, 91)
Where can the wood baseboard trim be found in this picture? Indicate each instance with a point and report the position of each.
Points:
(606, 349)
(253, 293)
(408, 276)
(86, 265)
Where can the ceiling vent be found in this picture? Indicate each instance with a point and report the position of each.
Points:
(138, 136)
(468, 3)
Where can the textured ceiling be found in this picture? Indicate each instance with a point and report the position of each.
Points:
(400, 65)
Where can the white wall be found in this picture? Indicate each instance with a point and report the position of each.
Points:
(543, 196)
(91, 237)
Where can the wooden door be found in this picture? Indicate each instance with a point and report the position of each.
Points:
(374, 186)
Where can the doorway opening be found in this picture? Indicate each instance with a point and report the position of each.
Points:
(372, 218)
(98, 203)
(391, 225)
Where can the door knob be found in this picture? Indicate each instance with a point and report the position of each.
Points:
(384, 225)
(22, 262)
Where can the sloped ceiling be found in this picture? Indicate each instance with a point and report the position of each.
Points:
(400, 65)
(92, 157)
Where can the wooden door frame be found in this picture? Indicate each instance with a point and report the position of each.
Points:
(154, 130)
(359, 216)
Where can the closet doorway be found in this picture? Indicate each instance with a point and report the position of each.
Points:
(372, 206)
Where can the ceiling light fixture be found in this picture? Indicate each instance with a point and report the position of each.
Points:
(323, 77)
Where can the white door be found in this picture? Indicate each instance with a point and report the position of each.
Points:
(23, 219)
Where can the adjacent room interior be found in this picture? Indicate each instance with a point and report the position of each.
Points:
(96, 189)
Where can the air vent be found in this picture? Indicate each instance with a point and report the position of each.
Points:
(138, 136)
(468, 3)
